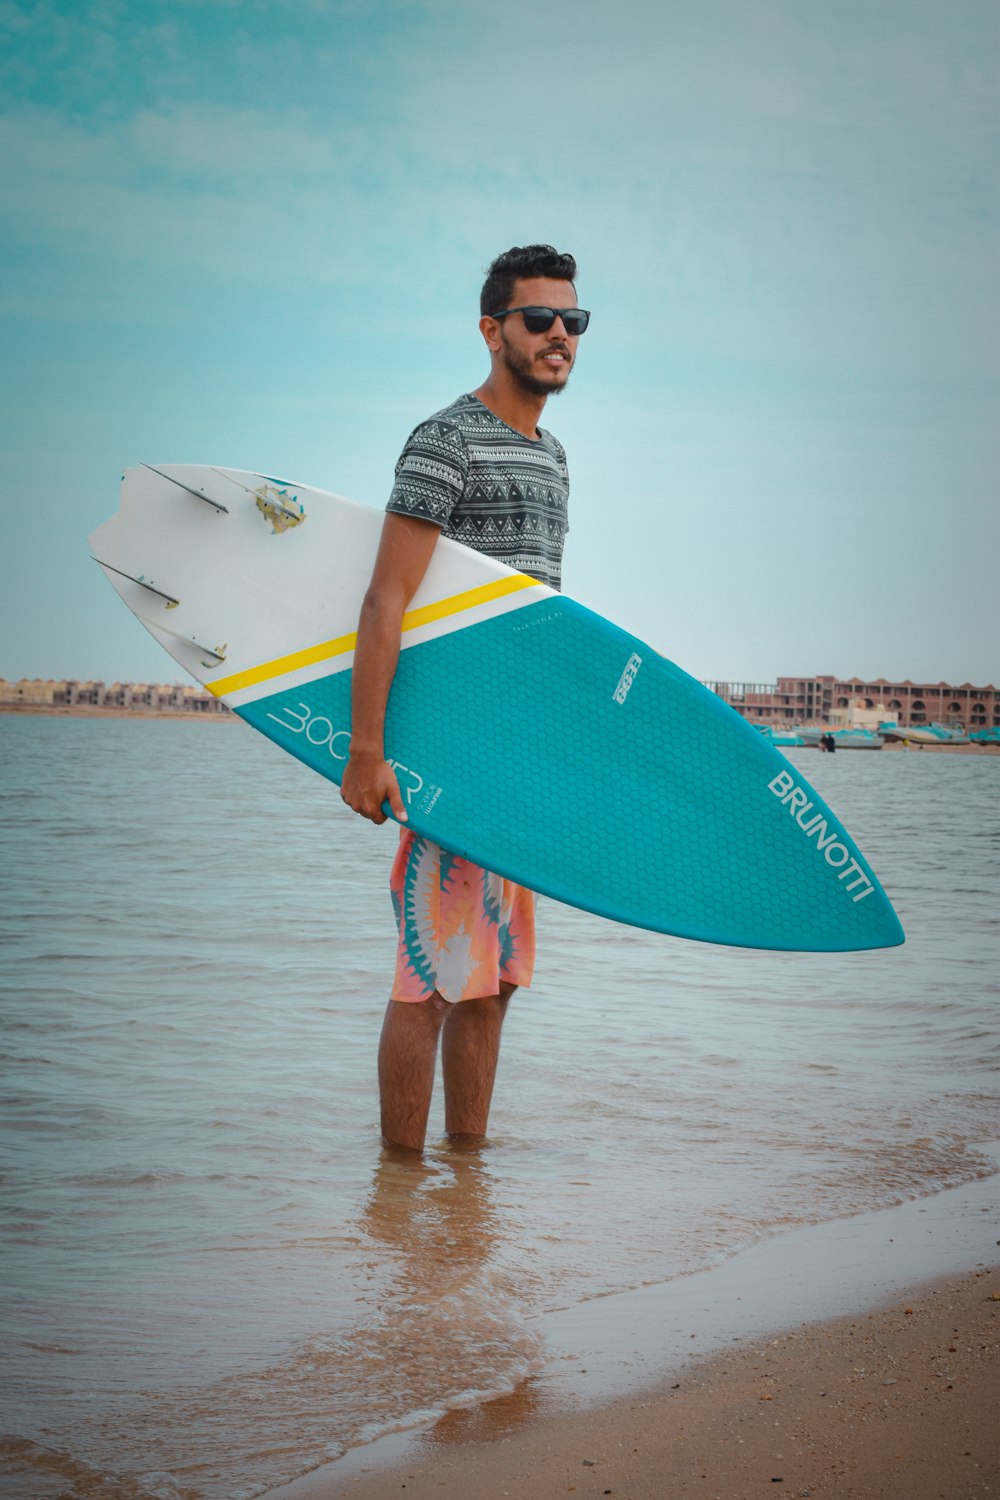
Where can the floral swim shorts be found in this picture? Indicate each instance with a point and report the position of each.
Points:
(462, 930)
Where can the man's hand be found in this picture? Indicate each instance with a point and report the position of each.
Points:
(369, 781)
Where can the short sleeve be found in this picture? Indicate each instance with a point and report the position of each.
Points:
(431, 473)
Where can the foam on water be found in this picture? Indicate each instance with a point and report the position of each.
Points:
(217, 1279)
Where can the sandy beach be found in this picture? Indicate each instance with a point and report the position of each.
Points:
(899, 1404)
(896, 1399)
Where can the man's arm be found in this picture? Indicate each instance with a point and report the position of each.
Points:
(403, 556)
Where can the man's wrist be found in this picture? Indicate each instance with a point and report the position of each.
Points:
(362, 750)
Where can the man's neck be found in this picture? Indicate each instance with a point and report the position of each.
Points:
(519, 409)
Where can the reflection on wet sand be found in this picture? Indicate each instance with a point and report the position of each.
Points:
(449, 1319)
(435, 1210)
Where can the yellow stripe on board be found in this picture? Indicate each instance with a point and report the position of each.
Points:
(413, 618)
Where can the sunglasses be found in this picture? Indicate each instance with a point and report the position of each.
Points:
(541, 319)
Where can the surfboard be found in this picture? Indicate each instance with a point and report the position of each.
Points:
(528, 733)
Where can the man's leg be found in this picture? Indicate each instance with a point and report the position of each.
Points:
(470, 1048)
(407, 1056)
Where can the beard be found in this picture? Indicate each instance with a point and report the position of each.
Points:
(521, 368)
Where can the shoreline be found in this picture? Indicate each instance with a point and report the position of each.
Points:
(92, 711)
(912, 748)
(660, 1390)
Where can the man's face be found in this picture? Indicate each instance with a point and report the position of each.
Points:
(539, 362)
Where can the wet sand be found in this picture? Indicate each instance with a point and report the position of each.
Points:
(901, 1404)
(896, 1399)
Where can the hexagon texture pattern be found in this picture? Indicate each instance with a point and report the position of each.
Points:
(555, 748)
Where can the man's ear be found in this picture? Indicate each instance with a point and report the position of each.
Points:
(490, 330)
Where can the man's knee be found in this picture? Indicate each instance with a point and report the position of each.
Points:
(489, 1005)
(428, 1005)
(406, 1017)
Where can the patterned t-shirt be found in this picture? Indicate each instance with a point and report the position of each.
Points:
(487, 486)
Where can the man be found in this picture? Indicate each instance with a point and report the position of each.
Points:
(483, 472)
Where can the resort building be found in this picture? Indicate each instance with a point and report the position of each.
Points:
(139, 697)
(864, 703)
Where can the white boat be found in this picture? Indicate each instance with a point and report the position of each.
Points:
(924, 734)
(857, 739)
(843, 739)
(781, 737)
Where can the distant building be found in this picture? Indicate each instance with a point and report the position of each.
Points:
(855, 700)
(33, 691)
(140, 697)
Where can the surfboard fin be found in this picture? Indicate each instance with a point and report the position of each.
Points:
(217, 653)
(198, 494)
(171, 602)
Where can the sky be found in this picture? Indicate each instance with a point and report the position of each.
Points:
(253, 232)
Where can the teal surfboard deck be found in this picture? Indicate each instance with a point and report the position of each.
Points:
(658, 807)
(528, 733)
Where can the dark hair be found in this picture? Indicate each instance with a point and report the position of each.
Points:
(520, 262)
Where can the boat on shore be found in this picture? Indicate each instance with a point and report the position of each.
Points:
(819, 737)
(783, 738)
(925, 734)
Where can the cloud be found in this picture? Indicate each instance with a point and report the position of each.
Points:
(200, 188)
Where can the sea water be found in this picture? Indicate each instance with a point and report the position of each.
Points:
(215, 1278)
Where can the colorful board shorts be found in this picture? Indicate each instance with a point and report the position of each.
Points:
(462, 930)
